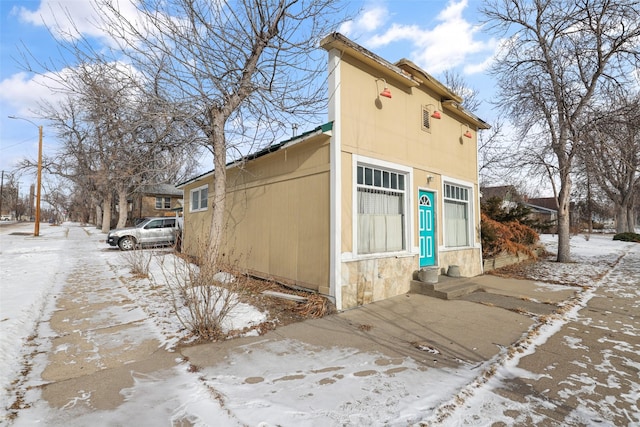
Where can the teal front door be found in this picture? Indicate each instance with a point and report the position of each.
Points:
(427, 234)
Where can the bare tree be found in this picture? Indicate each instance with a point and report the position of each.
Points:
(611, 155)
(559, 55)
(113, 139)
(491, 144)
(239, 70)
(10, 192)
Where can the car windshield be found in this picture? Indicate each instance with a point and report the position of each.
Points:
(142, 223)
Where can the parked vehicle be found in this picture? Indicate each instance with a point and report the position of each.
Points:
(150, 231)
(6, 217)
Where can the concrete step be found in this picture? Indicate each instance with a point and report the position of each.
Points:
(450, 289)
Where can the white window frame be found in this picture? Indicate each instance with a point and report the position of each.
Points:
(470, 212)
(163, 203)
(200, 207)
(408, 203)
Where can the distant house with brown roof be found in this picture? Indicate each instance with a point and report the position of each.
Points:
(156, 200)
(543, 209)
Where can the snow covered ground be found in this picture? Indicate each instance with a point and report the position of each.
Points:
(353, 388)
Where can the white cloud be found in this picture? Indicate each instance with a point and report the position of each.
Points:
(72, 19)
(396, 33)
(480, 67)
(66, 18)
(22, 93)
(447, 44)
(372, 17)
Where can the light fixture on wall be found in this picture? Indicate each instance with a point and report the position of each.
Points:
(429, 179)
(467, 134)
(436, 113)
(385, 92)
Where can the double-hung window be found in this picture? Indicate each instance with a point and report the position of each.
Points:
(199, 198)
(163, 202)
(381, 204)
(457, 213)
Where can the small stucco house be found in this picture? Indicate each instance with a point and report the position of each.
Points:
(354, 207)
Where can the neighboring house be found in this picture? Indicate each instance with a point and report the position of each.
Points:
(507, 193)
(545, 210)
(156, 200)
(353, 208)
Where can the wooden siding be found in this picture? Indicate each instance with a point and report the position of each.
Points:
(277, 222)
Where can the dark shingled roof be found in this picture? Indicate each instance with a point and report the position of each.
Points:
(163, 189)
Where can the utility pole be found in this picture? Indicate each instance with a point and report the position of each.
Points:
(1, 191)
(36, 228)
(17, 198)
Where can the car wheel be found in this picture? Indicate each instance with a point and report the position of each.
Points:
(127, 243)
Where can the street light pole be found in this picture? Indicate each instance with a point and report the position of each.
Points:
(36, 227)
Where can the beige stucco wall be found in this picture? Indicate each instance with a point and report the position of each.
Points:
(390, 130)
(277, 221)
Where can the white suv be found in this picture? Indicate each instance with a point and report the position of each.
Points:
(150, 231)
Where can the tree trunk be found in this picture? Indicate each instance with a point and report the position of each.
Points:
(123, 206)
(589, 205)
(564, 222)
(98, 216)
(218, 199)
(106, 214)
(621, 219)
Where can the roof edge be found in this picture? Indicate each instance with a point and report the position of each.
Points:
(464, 114)
(429, 81)
(326, 129)
(345, 45)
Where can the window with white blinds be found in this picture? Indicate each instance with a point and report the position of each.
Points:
(381, 210)
(456, 215)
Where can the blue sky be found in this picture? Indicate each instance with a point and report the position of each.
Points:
(436, 35)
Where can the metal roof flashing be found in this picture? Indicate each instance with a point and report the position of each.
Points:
(325, 129)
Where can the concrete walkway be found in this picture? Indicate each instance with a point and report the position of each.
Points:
(92, 342)
(589, 372)
(462, 331)
(91, 338)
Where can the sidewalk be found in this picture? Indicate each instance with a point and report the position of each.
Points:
(462, 331)
(98, 359)
(95, 340)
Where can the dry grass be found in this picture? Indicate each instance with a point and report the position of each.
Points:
(138, 261)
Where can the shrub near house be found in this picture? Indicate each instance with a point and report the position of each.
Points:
(506, 230)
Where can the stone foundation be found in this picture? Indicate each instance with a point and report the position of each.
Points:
(369, 280)
(468, 260)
